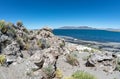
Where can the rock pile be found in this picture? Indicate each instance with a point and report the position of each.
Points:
(28, 54)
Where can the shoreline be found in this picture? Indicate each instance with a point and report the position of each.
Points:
(112, 47)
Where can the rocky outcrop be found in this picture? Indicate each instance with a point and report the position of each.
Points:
(29, 54)
(39, 54)
(106, 61)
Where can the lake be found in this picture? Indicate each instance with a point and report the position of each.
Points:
(89, 34)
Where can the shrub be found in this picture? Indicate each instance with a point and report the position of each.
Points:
(20, 42)
(72, 59)
(2, 59)
(39, 43)
(86, 50)
(26, 31)
(27, 46)
(11, 32)
(82, 75)
(2, 24)
(74, 53)
(92, 51)
(58, 74)
(118, 64)
(19, 23)
(68, 78)
(25, 39)
(85, 58)
(62, 44)
(43, 44)
(49, 71)
(4, 29)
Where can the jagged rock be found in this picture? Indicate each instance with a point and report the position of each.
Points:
(0, 33)
(38, 59)
(10, 59)
(29, 53)
(49, 59)
(103, 60)
(12, 49)
(117, 55)
(45, 32)
(47, 29)
(4, 38)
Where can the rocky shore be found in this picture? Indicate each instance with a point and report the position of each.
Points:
(112, 47)
(39, 54)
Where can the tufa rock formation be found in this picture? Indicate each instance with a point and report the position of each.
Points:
(29, 54)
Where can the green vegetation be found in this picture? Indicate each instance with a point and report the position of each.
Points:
(72, 59)
(4, 29)
(25, 30)
(27, 46)
(74, 53)
(11, 31)
(20, 42)
(62, 44)
(49, 71)
(118, 64)
(68, 78)
(2, 59)
(92, 51)
(2, 24)
(58, 74)
(86, 57)
(43, 43)
(7, 27)
(19, 23)
(23, 44)
(86, 50)
(81, 75)
(39, 43)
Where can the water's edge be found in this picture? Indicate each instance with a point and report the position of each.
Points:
(113, 47)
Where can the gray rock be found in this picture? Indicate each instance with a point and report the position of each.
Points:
(12, 49)
(26, 57)
(117, 54)
(10, 59)
(103, 60)
(38, 59)
(24, 70)
(4, 38)
(26, 53)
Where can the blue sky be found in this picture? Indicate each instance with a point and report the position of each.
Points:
(57, 13)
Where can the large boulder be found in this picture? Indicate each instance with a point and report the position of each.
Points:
(12, 51)
(4, 38)
(38, 59)
(23, 70)
(106, 61)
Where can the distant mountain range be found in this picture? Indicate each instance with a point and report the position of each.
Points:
(74, 27)
(87, 27)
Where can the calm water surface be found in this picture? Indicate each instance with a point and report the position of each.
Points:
(89, 35)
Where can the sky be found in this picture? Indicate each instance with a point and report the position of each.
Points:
(36, 14)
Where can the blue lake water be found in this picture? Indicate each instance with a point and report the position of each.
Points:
(89, 35)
